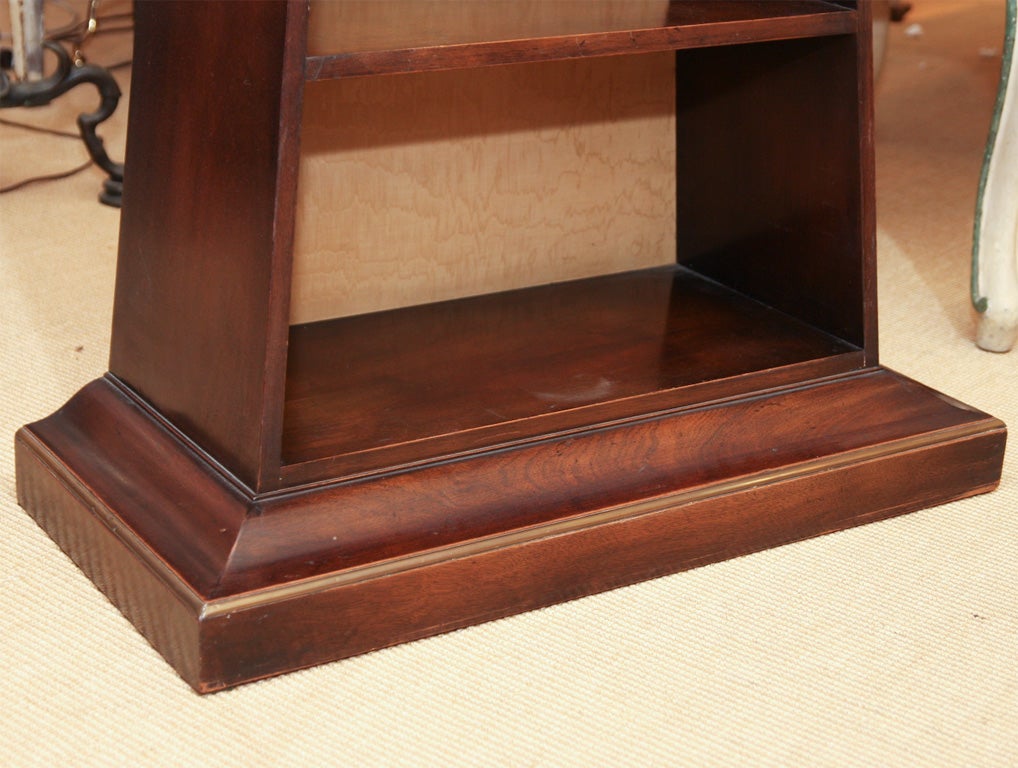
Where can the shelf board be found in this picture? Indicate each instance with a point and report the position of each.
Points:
(348, 38)
(392, 388)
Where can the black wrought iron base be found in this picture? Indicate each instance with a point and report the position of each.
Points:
(69, 75)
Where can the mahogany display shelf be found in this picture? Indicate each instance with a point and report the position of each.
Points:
(428, 313)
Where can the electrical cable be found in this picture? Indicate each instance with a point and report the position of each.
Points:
(39, 129)
(49, 177)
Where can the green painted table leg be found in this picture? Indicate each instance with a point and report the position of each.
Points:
(995, 246)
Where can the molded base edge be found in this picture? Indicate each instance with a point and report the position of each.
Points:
(230, 588)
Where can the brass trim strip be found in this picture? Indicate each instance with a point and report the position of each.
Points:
(316, 584)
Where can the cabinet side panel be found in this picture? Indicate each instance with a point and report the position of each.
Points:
(194, 310)
(769, 182)
(867, 177)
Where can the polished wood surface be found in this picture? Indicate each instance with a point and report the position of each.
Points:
(363, 37)
(789, 141)
(258, 497)
(201, 308)
(395, 387)
(447, 184)
(231, 587)
(160, 606)
(209, 350)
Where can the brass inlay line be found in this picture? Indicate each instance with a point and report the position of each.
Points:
(316, 584)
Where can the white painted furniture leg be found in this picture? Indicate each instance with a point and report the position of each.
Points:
(995, 243)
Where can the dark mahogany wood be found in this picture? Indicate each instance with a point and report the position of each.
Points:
(231, 587)
(371, 37)
(397, 387)
(258, 498)
(202, 301)
(788, 138)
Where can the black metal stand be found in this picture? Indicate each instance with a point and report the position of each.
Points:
(69, 75)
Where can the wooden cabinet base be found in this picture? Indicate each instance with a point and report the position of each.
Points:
(231, 586)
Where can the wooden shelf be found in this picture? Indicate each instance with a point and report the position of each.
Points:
(372, 37)
(401, 386)
(259, 496)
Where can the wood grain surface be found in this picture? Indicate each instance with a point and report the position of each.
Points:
(402, 386)
(202, 293)
(578, 434)
(232, 587)
(434, 186)
(771, 178)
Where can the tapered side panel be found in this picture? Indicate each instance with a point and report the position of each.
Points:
(769, 181)
(202, 298)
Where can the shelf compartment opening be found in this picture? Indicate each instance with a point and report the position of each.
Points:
(414, 384)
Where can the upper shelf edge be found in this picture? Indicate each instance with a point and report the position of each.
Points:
(697, 25)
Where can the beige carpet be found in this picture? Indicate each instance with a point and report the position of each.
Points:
(890, 644)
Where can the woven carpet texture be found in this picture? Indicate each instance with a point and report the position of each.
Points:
(890, 644)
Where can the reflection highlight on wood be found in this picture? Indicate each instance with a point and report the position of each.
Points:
(415, 383)
(435, 186)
